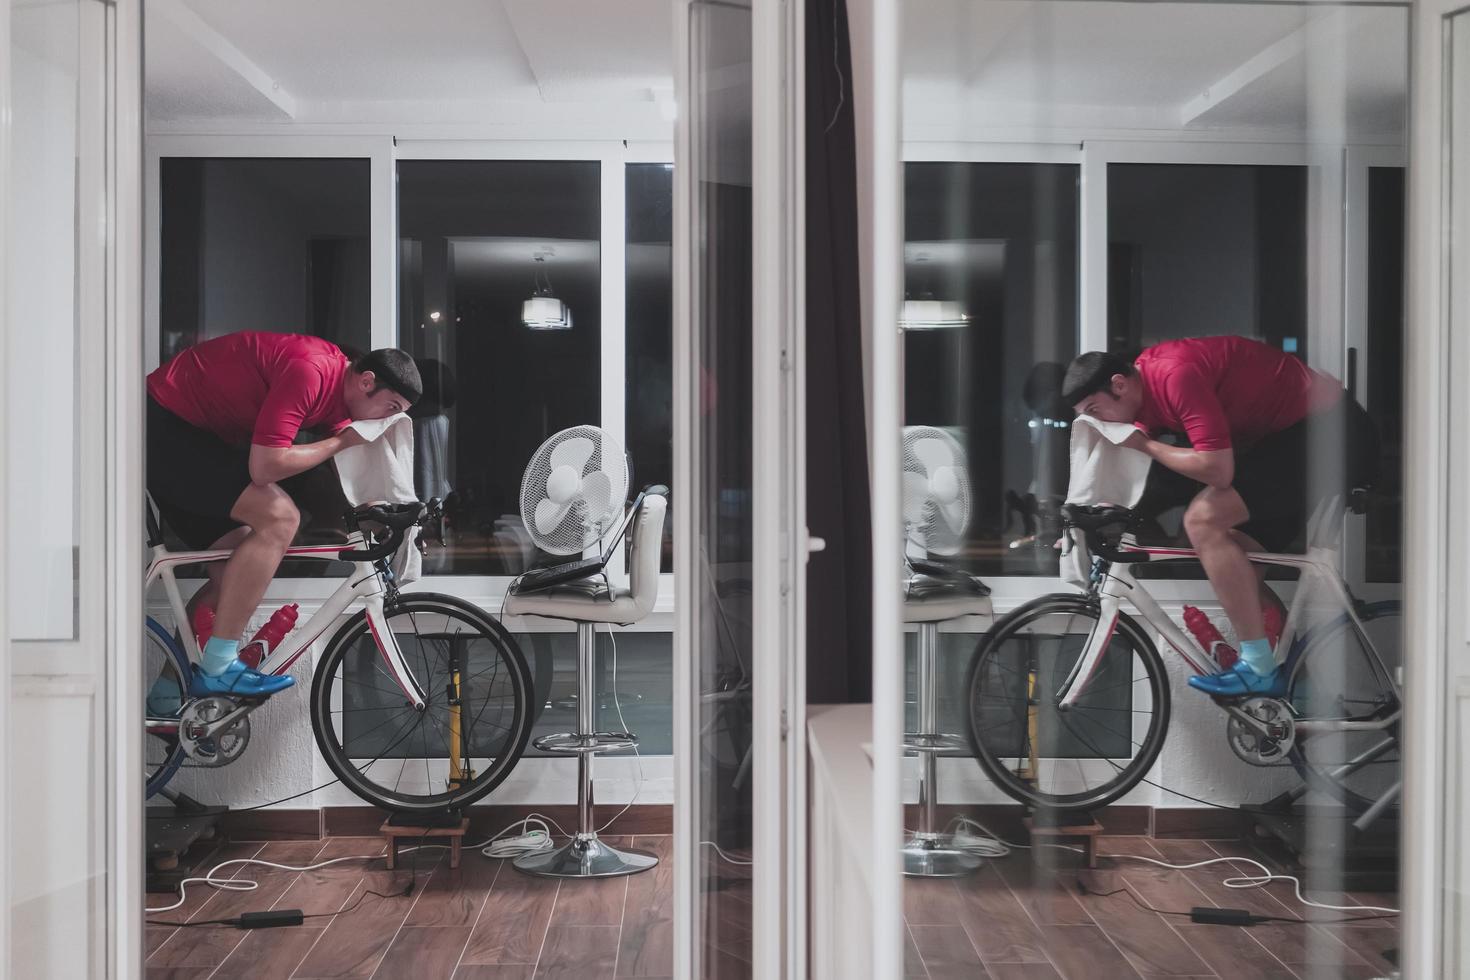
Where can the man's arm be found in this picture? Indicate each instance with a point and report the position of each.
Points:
(1215, 468)
(272, 464)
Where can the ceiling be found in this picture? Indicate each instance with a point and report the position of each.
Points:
(604, 68)
(497, 62)
(1086, 64)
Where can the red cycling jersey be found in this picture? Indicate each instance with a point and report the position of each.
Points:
(1227, 392)
(256, 387)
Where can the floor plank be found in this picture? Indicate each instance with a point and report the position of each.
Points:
(424, 952)
(913, 963)
(270, 953)
(504, 971)
(947, 952)
(455, 896)
(1143, 936)
(1021, 971)
(1233, 952)
(512, 927)
(931, 902)
(646, 947)
(998, 926)
(1049, 896)
(578, 953)
(1086, 953)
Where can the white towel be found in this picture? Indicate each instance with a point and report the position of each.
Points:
(1103, 472)
(381, 472)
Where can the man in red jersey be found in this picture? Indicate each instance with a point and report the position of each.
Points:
(222, 423)
(1256, 420)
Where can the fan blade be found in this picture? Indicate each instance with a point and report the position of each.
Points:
(597, 491)
(573, 452)
(549, 514)
(935, 453)
(953, 514)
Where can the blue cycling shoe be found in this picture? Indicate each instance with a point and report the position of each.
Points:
(1239, 681)
(239, 681)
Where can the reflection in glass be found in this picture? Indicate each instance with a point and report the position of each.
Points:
(722, 281)
(1109, 177)
(477, 238)
(650, 321)
(263, 244)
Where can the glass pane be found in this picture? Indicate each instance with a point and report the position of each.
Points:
(44, 305)
(477, 239)
(720, 92)
(650, 321)
(279, 245)
(1384, 366)
(1136, 212)
(993, 248)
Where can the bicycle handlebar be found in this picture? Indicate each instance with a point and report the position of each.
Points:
(397, 518)
(1092, 521)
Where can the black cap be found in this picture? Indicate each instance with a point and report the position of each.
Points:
(1093, 372)
(393, 369)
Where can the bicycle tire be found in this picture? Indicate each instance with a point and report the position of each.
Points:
(1314, 777)
(159, 777)
(511, 746)
(988, 652)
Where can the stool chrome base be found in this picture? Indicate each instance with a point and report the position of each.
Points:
(585, 857)
(935, 856)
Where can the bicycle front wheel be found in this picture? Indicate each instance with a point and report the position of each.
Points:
(1099, 748)
(473, 727)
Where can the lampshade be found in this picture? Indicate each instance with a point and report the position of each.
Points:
(546, 313)
(932, 314)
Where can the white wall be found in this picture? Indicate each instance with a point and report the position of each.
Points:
(41, 310)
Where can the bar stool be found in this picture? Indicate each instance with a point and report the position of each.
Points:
(930, 853)
(587, 603)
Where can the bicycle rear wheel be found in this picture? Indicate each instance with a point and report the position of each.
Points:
(1092, 753)
(1338, 677)
(164, 668)
(398, 758)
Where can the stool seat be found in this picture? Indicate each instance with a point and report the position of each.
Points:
(940, 606)
(585, 601)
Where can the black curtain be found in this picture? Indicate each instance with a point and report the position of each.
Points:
(839, 579)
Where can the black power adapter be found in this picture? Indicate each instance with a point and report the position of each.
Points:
(1221, 917)
(271, 919)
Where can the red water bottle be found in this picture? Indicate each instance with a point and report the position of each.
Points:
(269, 636)
(203, 624)
(1209, 637)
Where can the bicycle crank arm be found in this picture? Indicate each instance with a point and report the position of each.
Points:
(1261, 728)
(1309, 727)
(229, 721)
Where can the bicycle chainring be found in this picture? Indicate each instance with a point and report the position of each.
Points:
(220, 749)
(1254, 747)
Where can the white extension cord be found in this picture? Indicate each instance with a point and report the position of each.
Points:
(987, 844)
(246, 885)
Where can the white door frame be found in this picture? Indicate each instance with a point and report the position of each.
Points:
(1433, 525)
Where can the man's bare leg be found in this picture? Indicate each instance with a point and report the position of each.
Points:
(209, 594)
(1210, 523)
(272, 519)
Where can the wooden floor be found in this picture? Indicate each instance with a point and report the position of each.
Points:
(1014, 919)
(483, 921)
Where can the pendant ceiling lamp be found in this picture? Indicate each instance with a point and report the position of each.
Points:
(543, 311)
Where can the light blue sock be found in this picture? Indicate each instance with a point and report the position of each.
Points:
(1256, 654)
(219, 653)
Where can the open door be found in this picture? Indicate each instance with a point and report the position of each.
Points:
(72, 531)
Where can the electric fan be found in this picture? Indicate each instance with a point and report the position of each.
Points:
(936, 491)
(574, 490)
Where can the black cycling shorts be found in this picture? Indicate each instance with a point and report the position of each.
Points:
(195, 478)
(1285, 475)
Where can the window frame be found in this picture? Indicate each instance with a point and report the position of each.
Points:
(383, 153)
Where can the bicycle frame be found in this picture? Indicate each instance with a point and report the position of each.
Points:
(364, 584)
(1117, 584)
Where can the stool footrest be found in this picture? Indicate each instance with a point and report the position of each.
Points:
(589, 744)
(935, 742)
